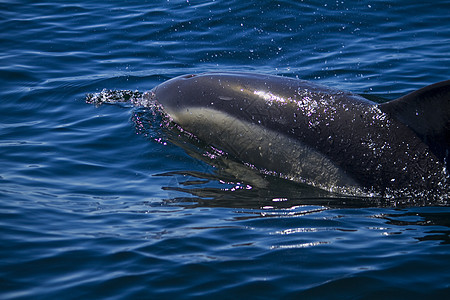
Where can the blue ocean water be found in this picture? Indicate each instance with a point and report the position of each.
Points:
(102, 202)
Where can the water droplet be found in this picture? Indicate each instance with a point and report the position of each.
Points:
(330, 140)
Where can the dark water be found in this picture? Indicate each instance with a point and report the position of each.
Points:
(102, 202)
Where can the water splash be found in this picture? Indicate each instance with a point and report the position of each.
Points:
(133, 98)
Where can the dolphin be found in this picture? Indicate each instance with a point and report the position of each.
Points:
(309, 133)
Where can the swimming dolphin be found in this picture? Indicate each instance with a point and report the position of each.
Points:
(306, 132)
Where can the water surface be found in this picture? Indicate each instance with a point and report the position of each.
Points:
(101, 202)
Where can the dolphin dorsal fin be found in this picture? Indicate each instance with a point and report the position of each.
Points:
(427, 112)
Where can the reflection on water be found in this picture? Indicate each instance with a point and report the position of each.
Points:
(435, 218)
(284, 199)
(220, 189)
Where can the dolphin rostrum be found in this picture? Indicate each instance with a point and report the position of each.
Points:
(309, 133)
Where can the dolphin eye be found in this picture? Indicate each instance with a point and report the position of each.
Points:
(188, 76)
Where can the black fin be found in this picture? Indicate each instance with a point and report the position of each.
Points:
(427, 112)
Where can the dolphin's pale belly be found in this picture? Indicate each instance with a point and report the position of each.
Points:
(264, 148)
